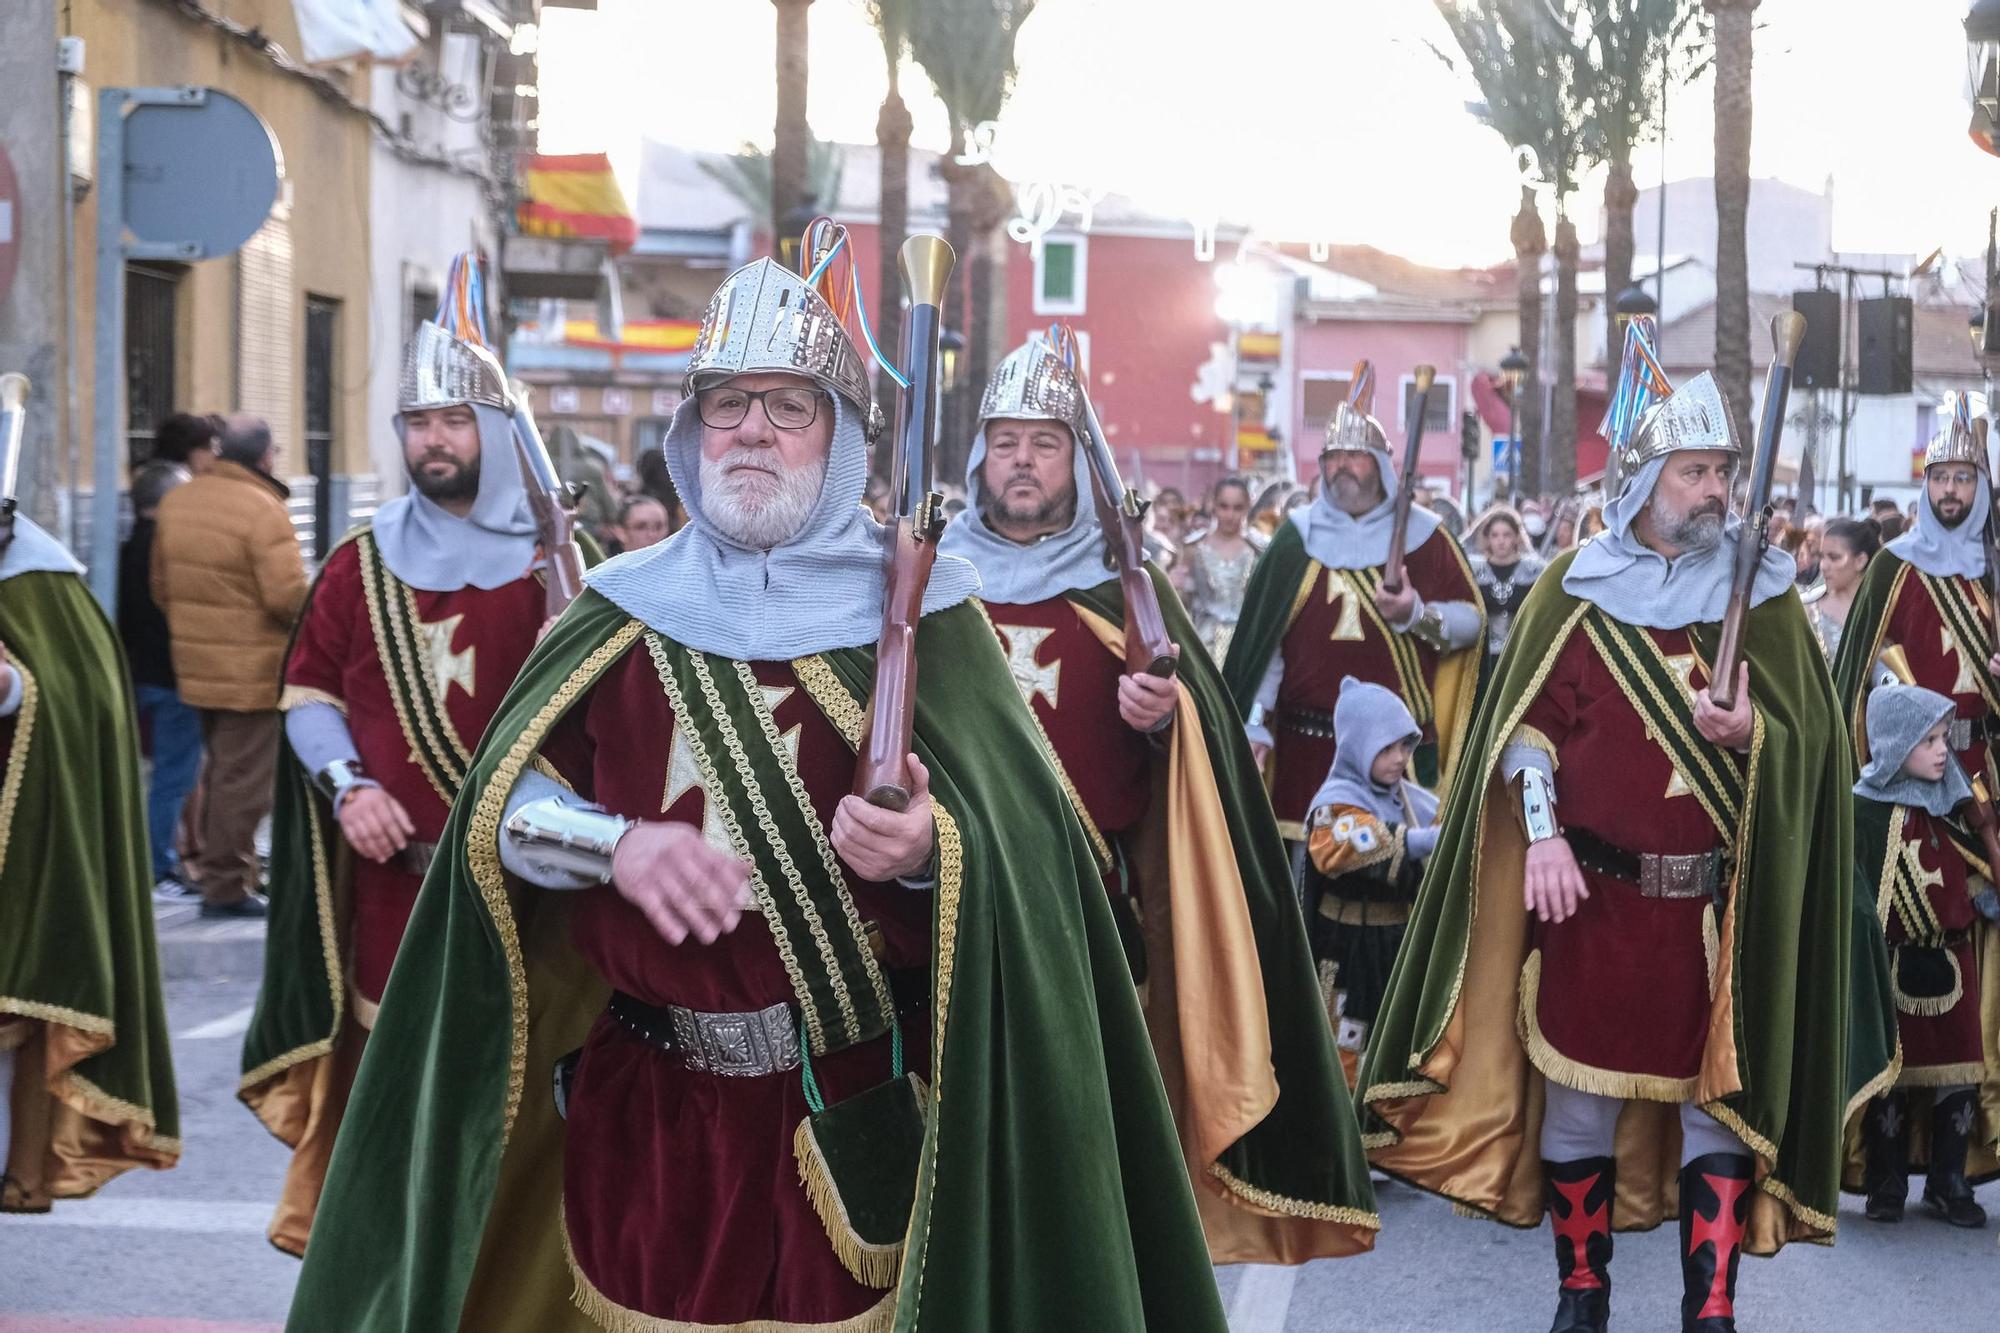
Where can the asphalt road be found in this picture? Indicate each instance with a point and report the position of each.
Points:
(183, 1251)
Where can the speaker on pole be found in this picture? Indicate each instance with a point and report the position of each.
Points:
(1886, 323)
(1818, 365)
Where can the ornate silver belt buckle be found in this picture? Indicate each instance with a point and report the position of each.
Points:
(737, 1045)
(1686, 876)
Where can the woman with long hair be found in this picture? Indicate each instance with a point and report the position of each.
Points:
(1846, 545)
(1219, 564)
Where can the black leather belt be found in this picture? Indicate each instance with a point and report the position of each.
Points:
(1691, 875)
(416, 857)
(1306, 722)
(759, 1041)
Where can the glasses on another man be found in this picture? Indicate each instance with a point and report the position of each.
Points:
(788, 408)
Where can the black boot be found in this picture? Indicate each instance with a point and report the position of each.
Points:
(1580, 1211)
(1886, 1177)
(1946, 1191)
(1715, 1212)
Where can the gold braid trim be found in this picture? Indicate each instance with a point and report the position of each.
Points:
(86, 1097)
(1885, 887)
(837, 877)
(1560, 1068)
(330, 950)
(1645, 688)
(17, 756)
(840, 708)
(446, 728)
(1284, 1206)
(1711, 944)
(1536, 739)
(57, 1014)
(371, 597)
(482, 848)
(711, 799)
(1361, 586)
(1926, 1006)
(609, 1315)
(1767, 1154)
(1313, 568)
(298, 696)
(1857, 722)
(850, 1020)
(1105, 860)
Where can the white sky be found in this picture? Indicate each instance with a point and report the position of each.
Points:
(1308, 119)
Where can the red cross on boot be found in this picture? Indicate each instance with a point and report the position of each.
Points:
(1715, 1212)
(1580, 1213)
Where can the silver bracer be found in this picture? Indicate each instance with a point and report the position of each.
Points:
(1538, 805)
(565, 840)
(339, 778)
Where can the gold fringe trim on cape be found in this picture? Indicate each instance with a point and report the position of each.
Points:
(1280, 1205)
(298, 696)
(1559, 1068)
(609, 1315)
(1711, 944)
(1926, 1006)
(871, 1265)
(58, 1014)
(1943, 1076)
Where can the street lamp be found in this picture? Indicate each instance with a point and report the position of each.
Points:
(1634, 300)
(1513, 369)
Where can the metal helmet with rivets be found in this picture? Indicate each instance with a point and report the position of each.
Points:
(1959, 441)
(1033, 384)
(764, 317)
(1693, 416)
(449, 360)
(1353, 425)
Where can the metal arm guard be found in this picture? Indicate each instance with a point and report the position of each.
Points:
(566, 839)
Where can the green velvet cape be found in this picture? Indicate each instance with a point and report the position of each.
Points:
(1793, 967)
(1305, 1157)
(76, 908)
(1860, 639)
(1051, 1192)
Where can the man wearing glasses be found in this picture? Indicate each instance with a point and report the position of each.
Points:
(1924, 616)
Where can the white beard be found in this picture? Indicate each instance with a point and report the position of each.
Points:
(753, 511)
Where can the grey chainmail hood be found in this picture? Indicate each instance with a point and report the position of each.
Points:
(1898, 717)
(1340, 540)
(819, 590)
(1369, 719)
(1941, 551)
(1017, 575)
(34, 551)
(490, 547)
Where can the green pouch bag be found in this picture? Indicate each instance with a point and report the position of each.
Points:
(858, 1162)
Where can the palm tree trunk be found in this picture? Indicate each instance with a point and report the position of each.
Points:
(788, 145)
(1621, 196)
(1560, 456)
(957, 426)
(986, 324)
(1733, 28)
(892, 137)
(1531, 242)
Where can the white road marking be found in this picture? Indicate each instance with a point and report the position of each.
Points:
(229, 1025)
(150, 1215)
(1263, 1298)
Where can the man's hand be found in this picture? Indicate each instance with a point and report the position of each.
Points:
(1396, 608)
(1730, 729)
(1261, 752)
(683, 886)
(1992, 663)
(881, 845)
(1552, 884)
(374, 822)
(1146, 701)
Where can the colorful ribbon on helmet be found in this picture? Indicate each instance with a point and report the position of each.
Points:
(1361, 397)
(1641, 383)
(461, 308)
(841, 291)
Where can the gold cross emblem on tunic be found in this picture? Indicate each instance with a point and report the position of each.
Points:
(444, 666)
(1682, 665)
(1023, 642)
(1925, 880)
(684, 772)
(1347, 625)
(1966, 683)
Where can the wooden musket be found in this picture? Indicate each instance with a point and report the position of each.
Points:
(1788, 329)
(1149, 650)
(1406, 481)
(881, 776)
(13, 416)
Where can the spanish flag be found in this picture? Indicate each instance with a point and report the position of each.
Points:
(575, 194)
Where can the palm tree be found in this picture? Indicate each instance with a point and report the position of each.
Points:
(1632, 45)
(892, 139)
(1525, 57)
(966, 47)
(1733, 27)
(748, 174)
(790, 134)
(1531, 242)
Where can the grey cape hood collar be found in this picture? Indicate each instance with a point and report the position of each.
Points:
(816, 592)
(1635, 584)
(1898, 717)
(34, 551)
(1940, 551)
(1016, 575)
(490, 547)
(1369, 719)
(1339, 540)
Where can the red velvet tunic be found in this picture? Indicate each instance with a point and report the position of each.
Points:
(1337, 634)
(681, 1193)
(1624, 982)
(474, 641)
(1915, 625)
(1070, 679)
(1944, 1048)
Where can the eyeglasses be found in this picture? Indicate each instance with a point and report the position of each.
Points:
(1957, 477)
(787, 408)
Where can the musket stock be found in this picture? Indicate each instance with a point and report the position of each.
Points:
(1149, 649)
(1788, 330)
(1406, 481)
(553, 507)
(881, 774)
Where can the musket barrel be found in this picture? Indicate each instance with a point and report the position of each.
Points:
(1406, 484)
(13, 417)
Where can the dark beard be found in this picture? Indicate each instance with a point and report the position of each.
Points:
(460, 484)
(1951, 523)
(1053, 511)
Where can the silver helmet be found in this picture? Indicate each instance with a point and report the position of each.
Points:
(1691, 417)
(1353, 425)
(442, 370)
(1033, 384)
(764, 317)
(1959, 441)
